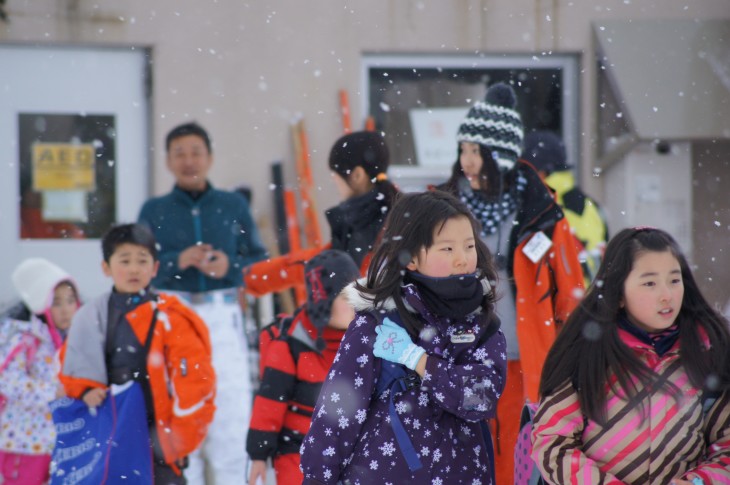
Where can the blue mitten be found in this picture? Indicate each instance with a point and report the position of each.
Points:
(394, 344)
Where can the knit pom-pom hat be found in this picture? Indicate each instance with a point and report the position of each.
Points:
(496, 124)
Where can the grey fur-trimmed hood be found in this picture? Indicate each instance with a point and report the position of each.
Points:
(361, 303)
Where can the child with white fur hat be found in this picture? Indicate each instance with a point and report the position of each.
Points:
(28, 346)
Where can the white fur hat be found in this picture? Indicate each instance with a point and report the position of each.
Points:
(35, 279)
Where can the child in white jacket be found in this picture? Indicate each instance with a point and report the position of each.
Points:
(29, 341)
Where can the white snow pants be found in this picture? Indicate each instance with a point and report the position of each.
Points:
(222, 458)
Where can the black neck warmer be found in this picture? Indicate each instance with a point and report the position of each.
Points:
(451, 296)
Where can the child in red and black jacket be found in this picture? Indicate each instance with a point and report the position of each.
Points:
(295, 365)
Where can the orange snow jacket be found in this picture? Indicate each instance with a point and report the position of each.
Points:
(356, 225)
(181, 376)
(545, 294)
(547, 290)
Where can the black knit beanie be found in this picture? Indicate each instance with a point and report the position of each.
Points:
(545, 151)
(326, 274)
(361, 148)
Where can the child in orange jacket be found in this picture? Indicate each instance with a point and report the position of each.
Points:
(134, 334)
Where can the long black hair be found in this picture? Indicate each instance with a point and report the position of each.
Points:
(491, 178)
(588, 350)
(410, 227)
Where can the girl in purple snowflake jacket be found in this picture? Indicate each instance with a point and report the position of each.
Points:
(426, 307)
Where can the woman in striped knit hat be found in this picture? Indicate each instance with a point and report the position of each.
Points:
(636, 389)
(539, 275)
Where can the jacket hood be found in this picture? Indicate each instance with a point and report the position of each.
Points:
(35, 279)
(361, 302)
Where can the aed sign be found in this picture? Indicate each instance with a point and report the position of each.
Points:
(63, 166)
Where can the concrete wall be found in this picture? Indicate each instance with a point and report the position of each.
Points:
(246, 69)
(651, 189)
(711, 219)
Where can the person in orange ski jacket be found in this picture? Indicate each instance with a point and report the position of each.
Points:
(358, 162)
(540, 276)
(107, 344)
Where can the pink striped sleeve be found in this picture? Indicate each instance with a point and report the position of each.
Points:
(716, 467)
(556, 440)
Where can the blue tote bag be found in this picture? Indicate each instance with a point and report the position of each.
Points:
(108, 446)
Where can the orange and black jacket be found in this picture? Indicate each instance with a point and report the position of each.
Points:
(545, 291)
(181, 379)
(355, 224)
(294, 370)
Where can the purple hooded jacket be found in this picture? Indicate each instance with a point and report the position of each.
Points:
(351, 440)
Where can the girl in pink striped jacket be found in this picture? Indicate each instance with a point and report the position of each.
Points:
(636, 388)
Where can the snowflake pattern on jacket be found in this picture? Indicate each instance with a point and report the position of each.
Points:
(351, 440)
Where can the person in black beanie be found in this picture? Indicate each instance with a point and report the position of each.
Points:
(359, 163)
(539, 274)
(546, 152)
(295, 365)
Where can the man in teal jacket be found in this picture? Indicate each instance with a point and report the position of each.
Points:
(205, 237)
